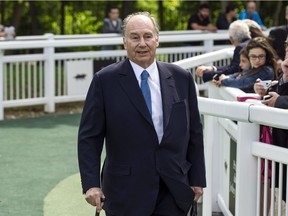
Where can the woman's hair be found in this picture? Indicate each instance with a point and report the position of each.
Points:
(244, 52)
(260, 42)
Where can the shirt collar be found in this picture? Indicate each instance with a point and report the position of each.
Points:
(152, 70)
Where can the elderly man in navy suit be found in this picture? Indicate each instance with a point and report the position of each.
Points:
(147, 113)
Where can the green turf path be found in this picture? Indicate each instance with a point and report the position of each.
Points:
(38, 161)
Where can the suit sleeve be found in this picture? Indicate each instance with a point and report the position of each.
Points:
(234, 65)
(282, 102)
(195, 153)
(91, 136)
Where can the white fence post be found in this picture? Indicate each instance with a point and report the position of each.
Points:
(208, 45)
(246, 170)
(213, 165)
(1, 85)
(49, 76)
(212, 160)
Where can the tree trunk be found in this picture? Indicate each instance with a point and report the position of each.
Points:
(62, 21)
(17, 10)
(2, 12)
(277, 12)
(223, 6)
(33, 15)
(161, 14)
(127, 8)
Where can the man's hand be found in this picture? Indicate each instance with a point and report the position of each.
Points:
(93, 196)
(201, 69)
(271, 101)
(217, 82)
(198, 192)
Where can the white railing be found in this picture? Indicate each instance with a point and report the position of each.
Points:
(233, 184)
(42, 81)
(42, 78)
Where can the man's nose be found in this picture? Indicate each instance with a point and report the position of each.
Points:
(142, 42)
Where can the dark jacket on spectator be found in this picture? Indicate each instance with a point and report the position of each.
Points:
(280, 136)
(278, 37)
(222, 22)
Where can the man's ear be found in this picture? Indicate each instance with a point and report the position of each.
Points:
(157, 39)
(231, 40)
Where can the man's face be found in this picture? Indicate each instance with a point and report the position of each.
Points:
(114, 14)
(233, 13)
(204, 12)
(251, 7)
(141, 40)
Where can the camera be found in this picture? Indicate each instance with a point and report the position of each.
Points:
(266, 83)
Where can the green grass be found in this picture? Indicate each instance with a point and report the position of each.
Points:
(35, 155)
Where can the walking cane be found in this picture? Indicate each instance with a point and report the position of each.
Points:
(98, 213)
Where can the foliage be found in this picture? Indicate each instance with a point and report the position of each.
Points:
(84, 17)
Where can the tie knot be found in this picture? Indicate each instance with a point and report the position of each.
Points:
(144, 75)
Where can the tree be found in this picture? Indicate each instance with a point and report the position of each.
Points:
(84, 17)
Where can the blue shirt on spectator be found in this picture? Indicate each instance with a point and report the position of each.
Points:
(245, 81)
(255, 16)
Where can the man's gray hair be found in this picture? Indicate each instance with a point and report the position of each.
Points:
(145, 13)
(239, 30)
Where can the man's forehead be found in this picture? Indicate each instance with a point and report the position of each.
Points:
(138, 19)
(140, 22)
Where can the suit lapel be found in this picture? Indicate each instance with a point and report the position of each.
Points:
(168, 91)
(131, 87)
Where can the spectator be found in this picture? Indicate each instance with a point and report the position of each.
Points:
(201, 20)
(263, 65)
(7, 33)
(112, 24)
(225, 19)
(279, 99)
(251, 13)
(278, 37)
(239, 37)
(146, 113)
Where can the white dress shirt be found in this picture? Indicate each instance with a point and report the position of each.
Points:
(156, 98)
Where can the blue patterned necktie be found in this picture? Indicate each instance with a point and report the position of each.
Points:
(146, 90)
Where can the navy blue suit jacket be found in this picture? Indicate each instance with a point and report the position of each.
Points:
(115, 111)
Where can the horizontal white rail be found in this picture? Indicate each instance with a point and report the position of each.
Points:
(202, 59)
(270, 152)
(42, 77)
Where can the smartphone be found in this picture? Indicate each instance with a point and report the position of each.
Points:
(216, 77)
(266, 97)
